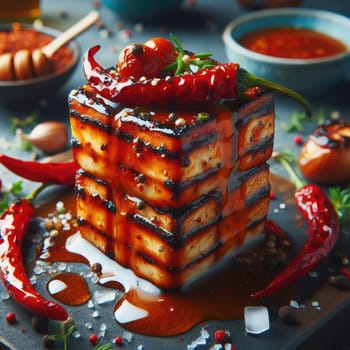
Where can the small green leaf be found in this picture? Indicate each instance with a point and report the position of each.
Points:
(4, 202)
(296, 122)
(341, 201)
(16, 187)
(203, 55)
(14, 190)
(63, 335)
(26, 145)
(202, 116)
(187, 61)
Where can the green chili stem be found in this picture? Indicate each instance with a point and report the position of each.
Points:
(246, 80)
(297, 181)
(31, 196)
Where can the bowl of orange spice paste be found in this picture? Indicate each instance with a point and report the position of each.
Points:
(304, 49)
(15, 37)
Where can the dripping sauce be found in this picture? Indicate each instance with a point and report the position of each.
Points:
(221, 295)
(290, 42)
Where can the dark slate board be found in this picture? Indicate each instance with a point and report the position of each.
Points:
(320, 326)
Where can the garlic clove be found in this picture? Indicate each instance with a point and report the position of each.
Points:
(48, 136)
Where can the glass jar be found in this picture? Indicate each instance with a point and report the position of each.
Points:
(19, 10)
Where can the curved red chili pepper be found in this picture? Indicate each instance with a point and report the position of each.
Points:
(13, 227)
(57, 173)
(214, 83)
(323, 231)
(222, 82)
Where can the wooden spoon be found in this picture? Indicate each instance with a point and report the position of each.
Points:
(25, 64)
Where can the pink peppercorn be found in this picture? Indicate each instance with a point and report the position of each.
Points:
(93, 339)
(272, 195)
(118, 340)
(298, 140)
(11, 318)
(220, 336)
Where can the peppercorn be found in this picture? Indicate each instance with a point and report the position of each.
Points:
(40, 324)
(140, 178)
(47, 342)
(137, 49)
(288, 315)
(339, 281)
(96, 268)
(172, 117)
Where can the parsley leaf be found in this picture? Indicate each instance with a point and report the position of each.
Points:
(341, 201)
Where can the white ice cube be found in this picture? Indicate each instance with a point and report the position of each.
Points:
(256, 319)
(104, 296)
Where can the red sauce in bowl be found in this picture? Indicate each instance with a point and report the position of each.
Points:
(290, 42)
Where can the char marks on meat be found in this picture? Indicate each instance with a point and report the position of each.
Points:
(167, 192)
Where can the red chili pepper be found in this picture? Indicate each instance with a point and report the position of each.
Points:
(57, 173)
(323, 231)
(216, 83)
(13, 227)
(221, 82)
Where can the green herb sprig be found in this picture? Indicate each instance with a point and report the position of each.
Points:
(29, 120)
(341, 201)
(65, 332)
(14, 190)
(298, 119)
(185, 62)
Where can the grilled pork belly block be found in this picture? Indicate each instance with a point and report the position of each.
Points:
(170, 193)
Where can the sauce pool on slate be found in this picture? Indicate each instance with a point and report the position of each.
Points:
(290, 42)
(221, 295)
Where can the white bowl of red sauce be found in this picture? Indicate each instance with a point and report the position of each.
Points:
(306, 50)
(22, 92)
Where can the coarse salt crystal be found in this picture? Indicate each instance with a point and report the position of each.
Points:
(294, 304)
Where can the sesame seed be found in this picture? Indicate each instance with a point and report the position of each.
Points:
(155, 82)
(180, 122)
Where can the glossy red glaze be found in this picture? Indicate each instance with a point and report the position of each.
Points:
(212, 84)
(323, 231)
(14, 225)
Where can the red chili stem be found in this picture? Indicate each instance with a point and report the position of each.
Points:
(14, 224)
(56, 173)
